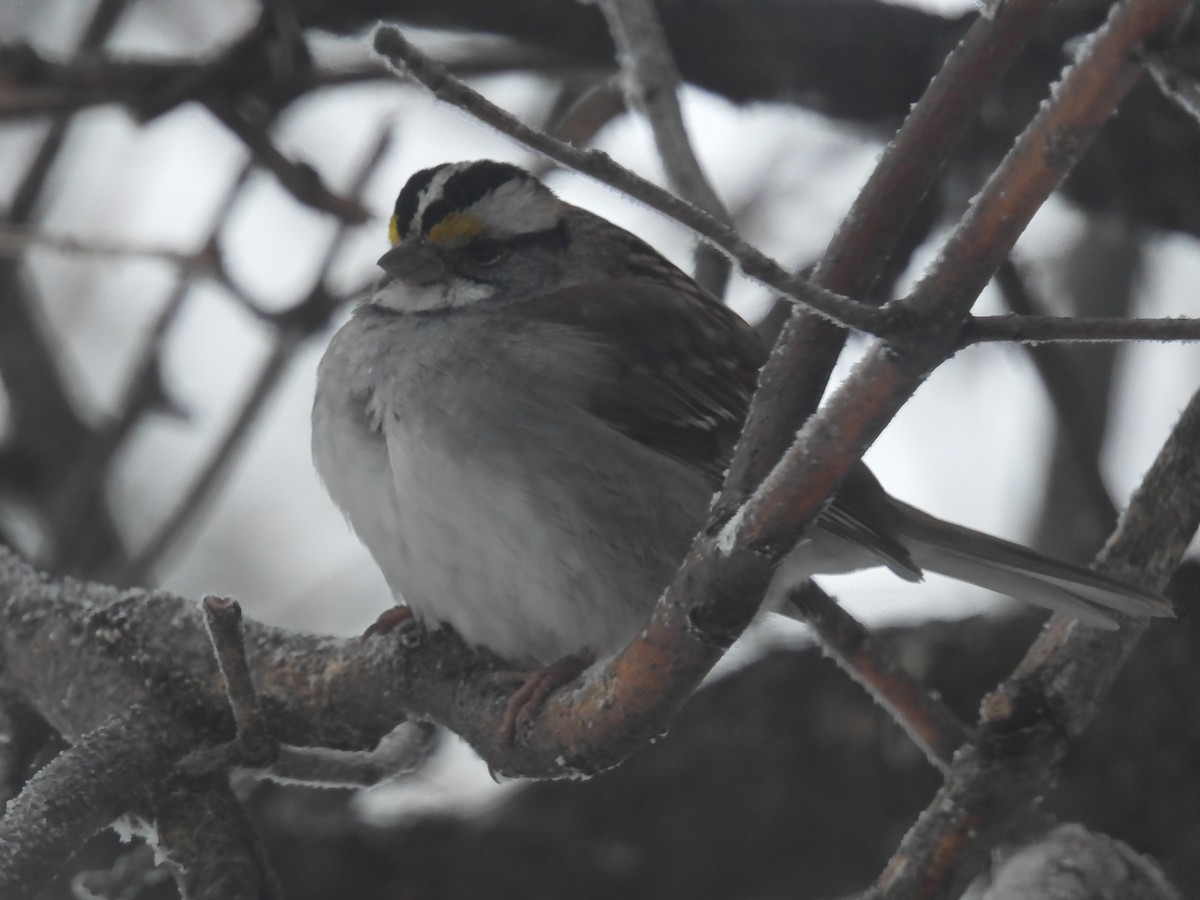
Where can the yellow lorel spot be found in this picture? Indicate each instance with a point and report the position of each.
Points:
(394, 236)
(456, 226)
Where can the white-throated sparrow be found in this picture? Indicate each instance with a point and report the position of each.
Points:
(526, 419)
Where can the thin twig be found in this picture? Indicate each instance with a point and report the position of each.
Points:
(398, 753)
(930, 723)
(652, 83)
(16, 241)
(1078, 330)
(223, 620)
(37, 86)
(408, 61)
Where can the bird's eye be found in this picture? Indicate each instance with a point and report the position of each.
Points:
(485, 251)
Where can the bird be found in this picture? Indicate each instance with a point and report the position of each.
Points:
(526, 417)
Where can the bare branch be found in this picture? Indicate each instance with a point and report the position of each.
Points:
(299, 179)
(793, 381)
(255, 749)
(930, 723)
(1055, 691)
(223, 620)
(652, 83)
(1054, 141)
(408, 62)
(398, 753)
(579, 120)
(81, 791)
(1070, 329)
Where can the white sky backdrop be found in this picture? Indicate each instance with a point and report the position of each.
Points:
(962, 448)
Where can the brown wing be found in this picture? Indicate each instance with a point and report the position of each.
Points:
(687, 368)
(686, 364)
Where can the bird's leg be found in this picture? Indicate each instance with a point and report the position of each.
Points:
(535, 687)
(399, 619)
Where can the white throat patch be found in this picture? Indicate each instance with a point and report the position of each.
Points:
(402, 297)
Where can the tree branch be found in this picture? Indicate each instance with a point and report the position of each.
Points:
(1055, 691)
(409, 62)
(860, 61)
(795, 376)
(81, 791)
(1055, 329)
(930, 724)
(1070, 667)
(652, 84)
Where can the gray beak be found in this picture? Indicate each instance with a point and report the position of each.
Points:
(413, 261)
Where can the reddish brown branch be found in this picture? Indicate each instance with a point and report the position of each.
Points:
(794, 379)
(1054, 141)
(913, 164)
(1054, 692)
(1038, 161)
(717, 589)
(930, 723)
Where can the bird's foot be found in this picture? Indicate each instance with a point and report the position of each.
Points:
(401, 620)
(534, 688)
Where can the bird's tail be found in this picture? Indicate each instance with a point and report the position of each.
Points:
(1019, 572)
